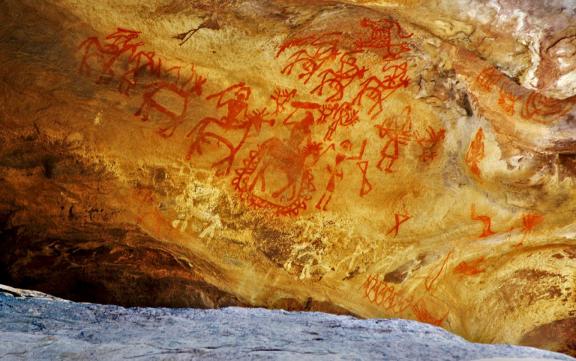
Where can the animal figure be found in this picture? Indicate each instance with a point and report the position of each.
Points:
(311, 61)
(290, 159)
(475, 153)
(338, 80)
(236, 119)
(381, 38)
(141, 61)
(378, 89)
(117, 44)
(157, 94)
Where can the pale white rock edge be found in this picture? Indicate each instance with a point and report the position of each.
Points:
(35, 326)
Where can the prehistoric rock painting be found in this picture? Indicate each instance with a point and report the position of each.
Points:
(320, 57)
(381, 40)
(485, 220)
(366, 186)
(336, 172)
(536, 105)
(423, 315)
(309, 62)
(378, 88)
(470, 268)
(340, 78)
(399, 219)
(531, 221)
(282, 97)
(167, 92)
(315, 59)
(293, 159)
(430, 143)
(302, 155)
(281, 174)
(152, 100)
(396, 133)
(238, 118)
(380, 293)
(104, 55)
(475, 153)
(397, 301)
(343, 92)
(439, 268)
(531, 105)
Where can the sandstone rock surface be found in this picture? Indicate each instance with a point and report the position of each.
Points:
(404, 158)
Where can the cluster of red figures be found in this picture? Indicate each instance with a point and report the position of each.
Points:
(166, 90)
(278, 173)
(533, 105)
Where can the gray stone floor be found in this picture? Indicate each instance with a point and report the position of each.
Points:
(38, 327)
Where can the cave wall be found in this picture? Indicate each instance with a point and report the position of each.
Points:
(410, 159)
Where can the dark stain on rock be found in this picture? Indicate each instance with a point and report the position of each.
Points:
(400, 274)
(464, 102)
(567, 164)
(73, 248)
(570, 252)
(559, 336)
(311, 305)
(273, 242)
(529, 286)
(48, 164)
(94, 265)
(535, 275)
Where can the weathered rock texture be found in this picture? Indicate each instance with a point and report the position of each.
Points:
(39, 327)
(411, 159)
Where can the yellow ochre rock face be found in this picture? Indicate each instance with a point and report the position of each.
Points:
(410, 159)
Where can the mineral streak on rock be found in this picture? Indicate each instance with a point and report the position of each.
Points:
(410, 159)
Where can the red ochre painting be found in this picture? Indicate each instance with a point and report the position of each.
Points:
(381, 159)
(340, 128)
(336, 129)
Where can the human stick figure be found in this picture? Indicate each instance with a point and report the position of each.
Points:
(336, 171)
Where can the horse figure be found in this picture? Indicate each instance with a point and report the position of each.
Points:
(142, 60)
(325, 50)
(341, 78)
(119, 43)
(379, 89)
(157, 92)
(237, 119)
